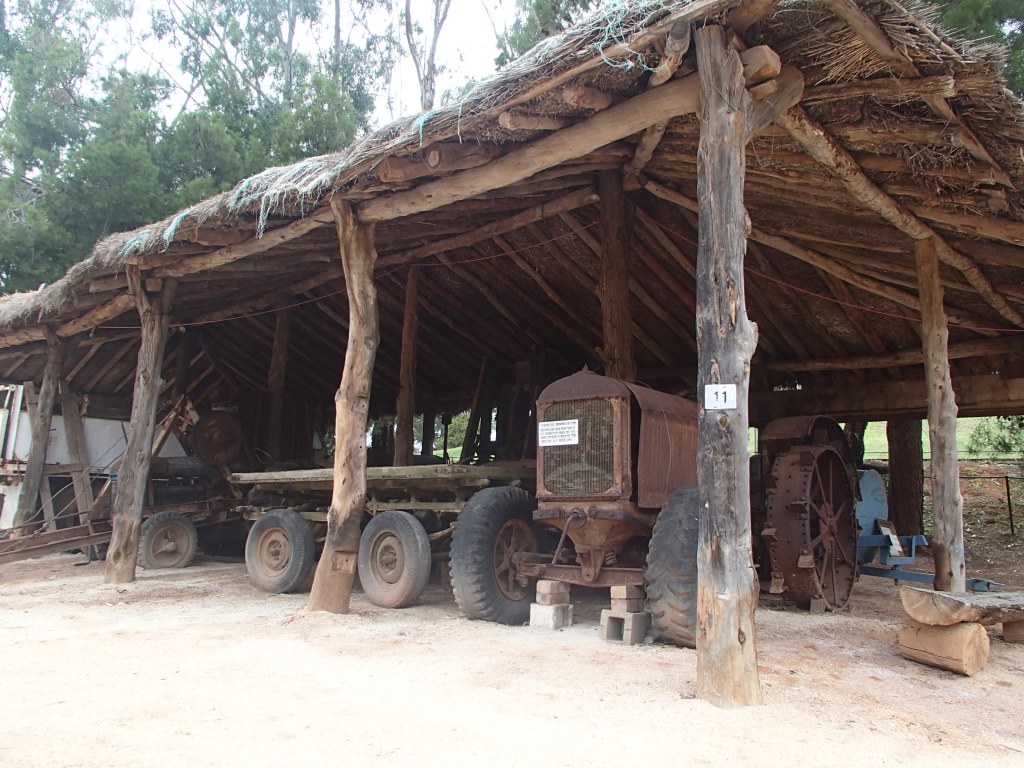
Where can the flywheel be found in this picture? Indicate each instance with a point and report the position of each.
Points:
(811, 528)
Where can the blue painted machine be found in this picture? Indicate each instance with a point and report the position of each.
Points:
(880, 550)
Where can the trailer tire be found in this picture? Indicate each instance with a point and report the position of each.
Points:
(495, 524)
(167, 540)
(279, 551)
(394, 559)
(672, 570)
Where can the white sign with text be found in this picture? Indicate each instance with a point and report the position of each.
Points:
(551, 433)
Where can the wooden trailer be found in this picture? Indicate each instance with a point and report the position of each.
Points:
(411, 513)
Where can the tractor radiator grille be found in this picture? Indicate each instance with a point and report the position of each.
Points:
(589, 466)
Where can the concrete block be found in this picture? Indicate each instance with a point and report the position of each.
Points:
(1013, 631)
(550, 616)
(549, 587)
(627, 605)
(557, 599)
(628, 593)
(626, 628)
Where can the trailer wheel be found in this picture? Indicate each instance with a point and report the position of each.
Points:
(279, 551)
(167, 540)
(394, 559)
(672, 570)
(493, 527)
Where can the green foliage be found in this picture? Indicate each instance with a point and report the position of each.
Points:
(1000, 21)
(535, 21)
(86, 151)
(999, 435)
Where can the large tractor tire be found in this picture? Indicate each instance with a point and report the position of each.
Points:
(394, 559)
(279, 551)
(672, 570)
(167, 540)
(495, 525)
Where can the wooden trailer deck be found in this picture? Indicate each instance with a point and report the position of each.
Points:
(436, 487)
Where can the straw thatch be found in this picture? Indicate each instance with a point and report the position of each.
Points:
(831, 278)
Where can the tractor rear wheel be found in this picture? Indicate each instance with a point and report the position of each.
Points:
(672, 570)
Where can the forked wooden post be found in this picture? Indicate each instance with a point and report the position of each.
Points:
(41, 419)
(617, 336)
(405, 407)
(133, 473)
(947, 503)
(727, 585)
(335, 573)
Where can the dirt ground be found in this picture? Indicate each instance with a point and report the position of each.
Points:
(195, 667)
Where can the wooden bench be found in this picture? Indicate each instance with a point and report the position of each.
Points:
(947, 630)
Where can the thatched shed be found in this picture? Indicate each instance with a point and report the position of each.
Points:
(902, 133)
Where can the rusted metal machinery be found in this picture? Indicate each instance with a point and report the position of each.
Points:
(616, 470)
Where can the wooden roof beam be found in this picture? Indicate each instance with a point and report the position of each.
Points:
(831, 266)
(537, 213)
(824, 149)
(679, 97)
(901, 63)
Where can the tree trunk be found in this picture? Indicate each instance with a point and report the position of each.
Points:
(617, 337)
(405, 408)
(727, 586)
(133, 472)
(335, 573)
(947, 503)
(275, 383)
(34, 479)
(906, 475)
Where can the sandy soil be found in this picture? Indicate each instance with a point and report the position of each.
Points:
(195, 667)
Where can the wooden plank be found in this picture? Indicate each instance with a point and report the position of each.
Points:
(947, 503)
(913, 356)
(335, 573)
(727, 587)
(945, 608)
(129, 500)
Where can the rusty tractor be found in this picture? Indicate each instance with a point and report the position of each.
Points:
(617, 504)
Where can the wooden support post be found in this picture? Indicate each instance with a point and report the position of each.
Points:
(429, 425)
(33, 479)
(275, 383)
(617, 343)
(335, 573)
(186, 349)
(74, 432)
(947, 503)
(126, 513)
(906, 475)
(406, 405)
(727, 587)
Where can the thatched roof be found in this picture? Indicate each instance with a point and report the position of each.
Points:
(831, 277)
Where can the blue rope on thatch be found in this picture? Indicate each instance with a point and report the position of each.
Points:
(172, 228)
(136, 243)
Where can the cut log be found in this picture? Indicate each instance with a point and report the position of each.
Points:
(436, 160)
(512, 121)
(1013, 631)
(961, 648)
(945, 608)
(583, 97)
